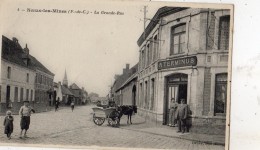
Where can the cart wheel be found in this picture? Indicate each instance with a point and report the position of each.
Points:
(98, 120)
(113, 119)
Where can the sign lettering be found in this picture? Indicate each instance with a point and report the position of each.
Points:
(179, 62)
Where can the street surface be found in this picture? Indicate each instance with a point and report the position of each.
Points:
(65, 127)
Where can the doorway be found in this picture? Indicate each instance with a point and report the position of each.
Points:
(8, 96)
(134, 96)
(176, 87)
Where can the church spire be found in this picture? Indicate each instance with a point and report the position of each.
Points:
(65, 80)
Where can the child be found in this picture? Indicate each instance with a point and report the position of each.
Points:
(25, 113)
(8, 123)
(72, 105)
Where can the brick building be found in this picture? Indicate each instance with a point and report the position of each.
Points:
(19, 78)
(184, 54)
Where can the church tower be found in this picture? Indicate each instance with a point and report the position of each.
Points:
(65, 80)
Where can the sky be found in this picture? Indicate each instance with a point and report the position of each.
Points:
(92, 48)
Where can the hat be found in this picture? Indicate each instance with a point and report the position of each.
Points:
(8, 112)
(26, 101)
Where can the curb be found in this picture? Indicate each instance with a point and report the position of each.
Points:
(179, 137)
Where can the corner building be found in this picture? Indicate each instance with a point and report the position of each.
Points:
(184, 54)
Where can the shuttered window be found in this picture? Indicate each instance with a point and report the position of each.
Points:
(224, 24)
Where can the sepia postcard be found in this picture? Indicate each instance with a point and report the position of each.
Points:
(115, 74)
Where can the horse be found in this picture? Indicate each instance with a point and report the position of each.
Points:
(127, 110)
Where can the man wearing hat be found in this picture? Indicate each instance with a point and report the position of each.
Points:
(25, 113)
(181, 115)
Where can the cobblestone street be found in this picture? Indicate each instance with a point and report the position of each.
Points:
(77, 129)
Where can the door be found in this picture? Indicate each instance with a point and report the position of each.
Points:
(176, 87)
(182, 93)
(8, 96)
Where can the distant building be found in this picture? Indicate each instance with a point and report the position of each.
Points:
(124, 89)
(67, 95)
(77, 92)
(19, 78)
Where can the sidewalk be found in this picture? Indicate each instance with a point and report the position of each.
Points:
(141, 125)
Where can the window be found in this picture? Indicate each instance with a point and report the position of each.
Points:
(178, 39)
(15, 94)
(27, 77)
(141, 95)
(224, 24)
(41, 79)
(148, 55)
(21, 94)
(143, 59)
(146, 104)
(0, 93)
(8, 72)
(220, 93)
(155, 47)
(36, 77)
(27, 94)
(31, 95)
(152, 94)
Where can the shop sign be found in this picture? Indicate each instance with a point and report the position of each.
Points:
(180, 62)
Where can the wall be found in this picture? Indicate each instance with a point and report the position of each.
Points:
(127, 93)
(17, 79)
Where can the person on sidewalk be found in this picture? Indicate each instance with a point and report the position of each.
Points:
(181, 115)
(173, 108)
(57, 103)
(25, 113)
(72, 105)
(8, 123)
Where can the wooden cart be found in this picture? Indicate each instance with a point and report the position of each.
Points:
(101, 114)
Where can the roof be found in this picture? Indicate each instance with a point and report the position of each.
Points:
(131, 78)
(66, 91)
(13, 52)
(119, 82)
(74, 86)
(164, 11)
(39, 65)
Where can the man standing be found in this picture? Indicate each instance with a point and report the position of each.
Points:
(181, 115)
(57, 103)
(25, 113)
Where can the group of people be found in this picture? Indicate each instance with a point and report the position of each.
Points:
(25, 113)
(178, 114)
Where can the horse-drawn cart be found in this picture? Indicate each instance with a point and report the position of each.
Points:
(101, 114)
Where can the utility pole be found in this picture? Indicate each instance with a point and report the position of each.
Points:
(144, 20)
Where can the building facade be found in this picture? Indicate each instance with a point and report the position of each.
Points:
(124, 90)
(184, 55)
(19, 77)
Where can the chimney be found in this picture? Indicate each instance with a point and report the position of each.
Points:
(26, 49)
(116, 76)
(25, 55)
(127, 67)
(15, 40)
(124, 71)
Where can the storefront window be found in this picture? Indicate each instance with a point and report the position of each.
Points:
(220, 93)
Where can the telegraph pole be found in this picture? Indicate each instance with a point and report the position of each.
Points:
(144, 21)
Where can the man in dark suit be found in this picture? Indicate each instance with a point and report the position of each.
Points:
(181, 115)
